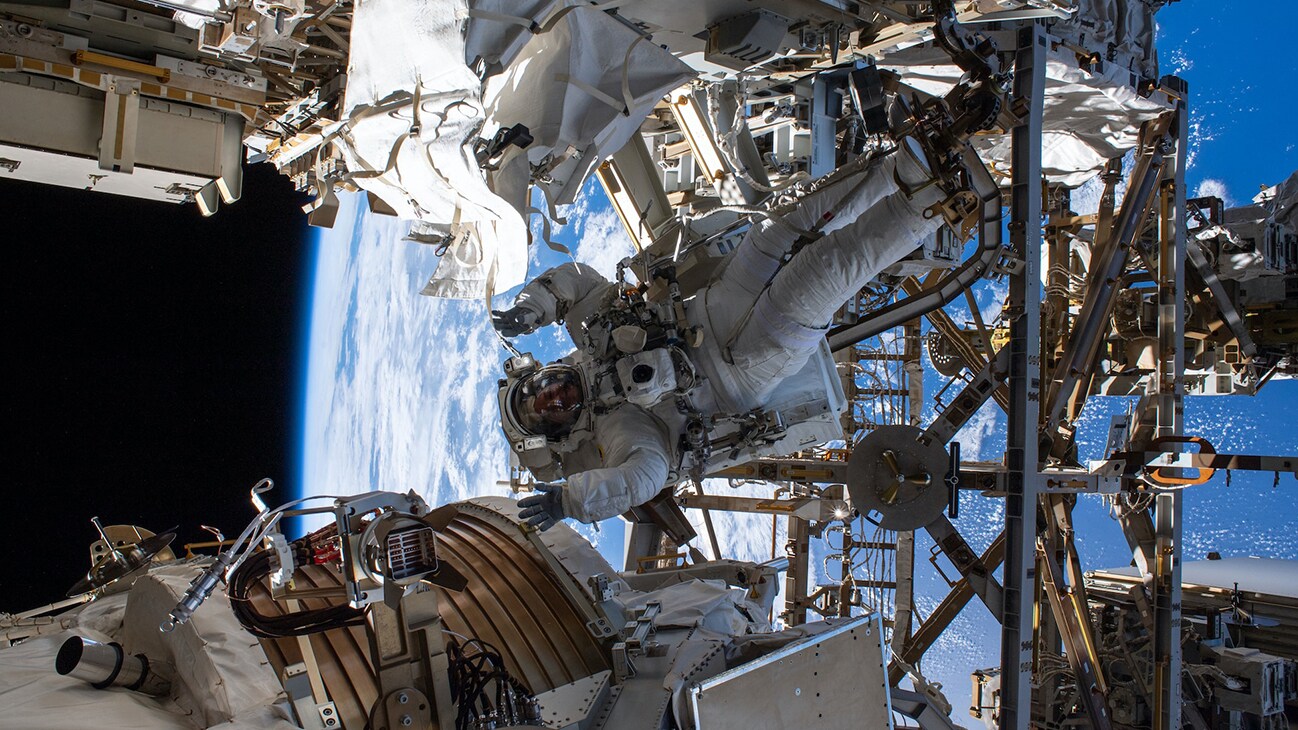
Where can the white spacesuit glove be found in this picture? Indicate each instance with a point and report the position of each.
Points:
(544, 509)
(514, 321)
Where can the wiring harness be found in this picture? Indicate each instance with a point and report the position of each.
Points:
(483, 690)
(260, 564)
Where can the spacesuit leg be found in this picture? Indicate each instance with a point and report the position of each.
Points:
(769, 241)
(789, 318)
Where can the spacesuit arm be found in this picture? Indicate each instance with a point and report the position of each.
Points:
(554, 293)
(634, 444)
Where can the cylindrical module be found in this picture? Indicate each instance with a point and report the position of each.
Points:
(107, 665)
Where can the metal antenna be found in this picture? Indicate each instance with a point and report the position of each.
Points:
(99, 527)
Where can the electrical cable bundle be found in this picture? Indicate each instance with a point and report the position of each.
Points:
(474, 666)
(299, 623)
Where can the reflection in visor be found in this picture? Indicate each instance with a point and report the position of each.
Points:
(548, 402)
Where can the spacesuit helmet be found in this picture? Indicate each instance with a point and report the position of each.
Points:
(548, 402)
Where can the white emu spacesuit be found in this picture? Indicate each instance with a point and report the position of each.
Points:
(597, 417)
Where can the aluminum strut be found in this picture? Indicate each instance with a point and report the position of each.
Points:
(1102, 287)
(942, 616)
(972, 569)
(1022, 462)
(1066, 591)
(982, 386)
(973, 359)
(1229, 314)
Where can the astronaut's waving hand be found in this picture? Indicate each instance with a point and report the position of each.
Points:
(544, 509)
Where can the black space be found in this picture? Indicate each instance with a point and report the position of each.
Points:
(152, 368)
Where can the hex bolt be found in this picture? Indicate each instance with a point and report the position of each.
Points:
(407, 721)
(403, 698)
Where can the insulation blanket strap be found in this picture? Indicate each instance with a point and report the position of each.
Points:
(1089, 117)
(498, 29)
(582, 87)
(707, 604)
(1119, 31)
(416, 155)
(580, 81)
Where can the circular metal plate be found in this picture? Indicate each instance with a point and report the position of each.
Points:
(897, 501)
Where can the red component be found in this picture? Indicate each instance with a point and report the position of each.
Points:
(329, 552)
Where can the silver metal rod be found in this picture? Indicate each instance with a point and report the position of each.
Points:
(99, 527)
(52, 607)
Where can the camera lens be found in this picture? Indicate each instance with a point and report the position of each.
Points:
(641, 374)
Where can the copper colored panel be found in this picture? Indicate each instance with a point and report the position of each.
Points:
(512, 602)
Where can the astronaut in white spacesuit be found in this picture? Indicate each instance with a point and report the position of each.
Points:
(758, 321)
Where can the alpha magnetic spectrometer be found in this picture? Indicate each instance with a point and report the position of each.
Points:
(709, 124)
